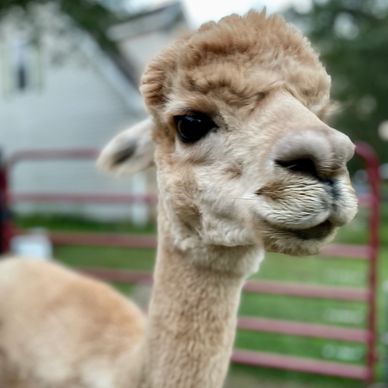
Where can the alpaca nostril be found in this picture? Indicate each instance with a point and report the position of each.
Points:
(332, 188)
(305, 166)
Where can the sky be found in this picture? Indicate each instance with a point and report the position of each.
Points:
(200, 11)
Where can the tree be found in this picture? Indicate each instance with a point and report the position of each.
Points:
(352, 36)
(92, 16)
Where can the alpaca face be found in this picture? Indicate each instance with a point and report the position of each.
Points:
(275, 175)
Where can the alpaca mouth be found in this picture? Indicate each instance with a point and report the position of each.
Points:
(318, 232)
(297, 242)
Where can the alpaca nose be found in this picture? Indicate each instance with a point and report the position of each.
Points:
(321, 153)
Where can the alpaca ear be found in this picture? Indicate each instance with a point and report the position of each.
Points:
(130, 151)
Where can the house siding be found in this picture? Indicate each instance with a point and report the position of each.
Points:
(75, 107)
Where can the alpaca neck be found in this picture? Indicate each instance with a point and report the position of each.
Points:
(192, 316)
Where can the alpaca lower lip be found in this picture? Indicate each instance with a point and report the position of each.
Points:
(317, 232)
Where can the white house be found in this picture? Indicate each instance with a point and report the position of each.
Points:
(60, 90)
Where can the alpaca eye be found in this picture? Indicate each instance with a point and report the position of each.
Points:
(191, 128)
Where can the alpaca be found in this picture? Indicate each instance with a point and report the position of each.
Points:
(245, 163)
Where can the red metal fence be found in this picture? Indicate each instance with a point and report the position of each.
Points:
(367, 295)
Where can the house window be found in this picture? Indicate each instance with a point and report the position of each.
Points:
(21, 66)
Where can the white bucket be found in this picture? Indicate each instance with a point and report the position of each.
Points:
(34, 245)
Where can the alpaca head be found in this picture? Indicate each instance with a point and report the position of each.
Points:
(242, 154)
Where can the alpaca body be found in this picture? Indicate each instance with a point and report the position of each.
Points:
(77, 332)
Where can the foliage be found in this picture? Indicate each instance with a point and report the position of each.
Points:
(352, 36)
(92, 16)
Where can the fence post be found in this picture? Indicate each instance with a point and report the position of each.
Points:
(5, 221)
(372, 167)
(385, 333)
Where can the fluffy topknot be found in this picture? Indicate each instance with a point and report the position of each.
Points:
(241, 53)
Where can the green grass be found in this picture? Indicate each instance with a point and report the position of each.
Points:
(311, 270)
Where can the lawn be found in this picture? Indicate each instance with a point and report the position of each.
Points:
(312, 270)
